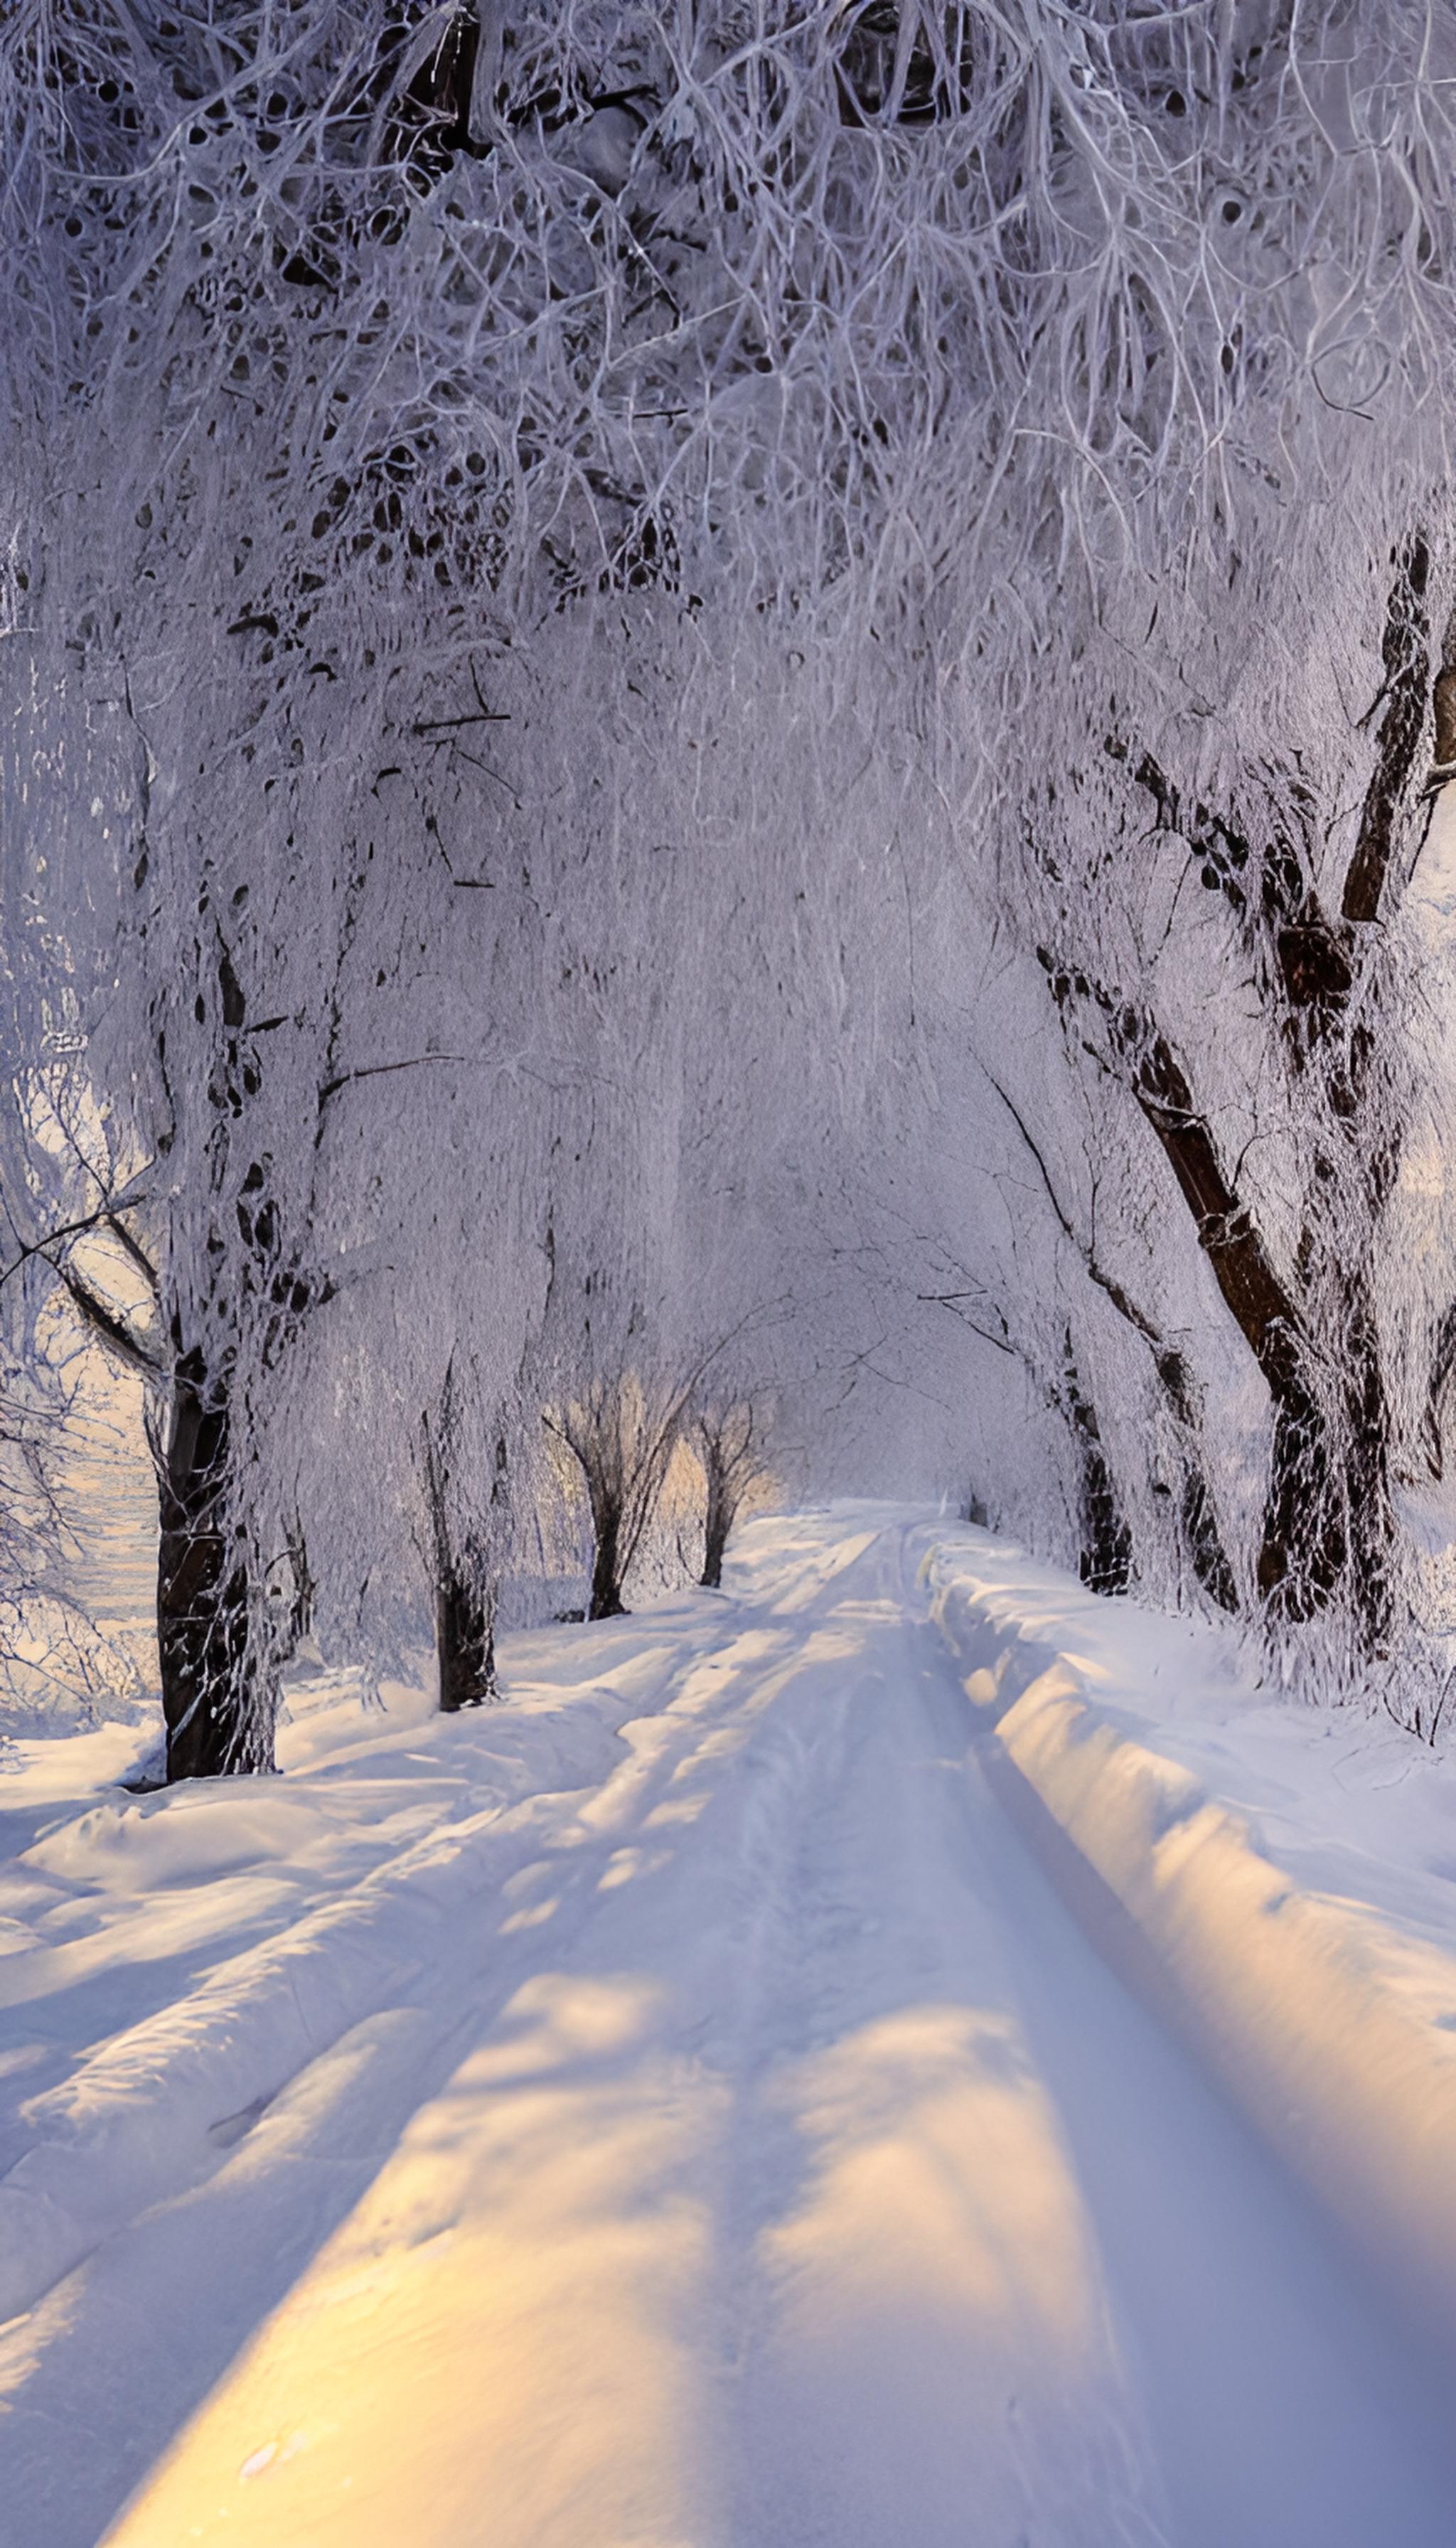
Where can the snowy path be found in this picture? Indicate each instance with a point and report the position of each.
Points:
(770, 2161)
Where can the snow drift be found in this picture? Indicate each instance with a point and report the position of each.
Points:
(1335, 2033)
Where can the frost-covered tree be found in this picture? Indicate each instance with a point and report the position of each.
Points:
(621, 1436)
(1319, 1076)
(866, 479)
(731, 1438)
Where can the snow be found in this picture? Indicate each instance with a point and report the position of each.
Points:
(1327, 2007)
(1347, 1802)
(676, 2106)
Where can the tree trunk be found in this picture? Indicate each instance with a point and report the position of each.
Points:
(722, 1502)
(217, 1698)
(465, 1645)
(718, 1523)
(1197, 1512)
(730, 1445)
(1329, 1521)
(465, 1613)
(1204, 1540)
(607, 1592)
(1105, 1558)
(1328, 1527)
(304, 1593)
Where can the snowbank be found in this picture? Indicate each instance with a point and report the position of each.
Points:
(1333, 2027)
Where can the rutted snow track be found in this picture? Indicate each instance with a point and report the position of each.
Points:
(769, 2160)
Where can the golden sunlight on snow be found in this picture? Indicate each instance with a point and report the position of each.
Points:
(940, 2194)
(497, 2343)
(498, 2323)
(936, 2279)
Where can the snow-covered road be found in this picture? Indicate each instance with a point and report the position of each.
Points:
(765, 2159)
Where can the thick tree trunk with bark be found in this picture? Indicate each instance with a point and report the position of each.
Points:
(1329, 1522)
(217, 1667)
(217, 1701)
(465, 1600)
(465, 1645)
(1322, 1471)
(607, 1566)
(1105, 1557)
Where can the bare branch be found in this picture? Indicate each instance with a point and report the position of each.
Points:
(112, 1329)
(101, 1217)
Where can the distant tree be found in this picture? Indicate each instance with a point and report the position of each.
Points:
(621, 1433)
(730, 1437)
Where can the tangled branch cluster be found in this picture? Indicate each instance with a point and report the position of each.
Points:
(922, 300)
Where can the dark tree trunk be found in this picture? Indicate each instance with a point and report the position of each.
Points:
(1438, 1379)
(715, 1542)
(465, 1596)
(1197, 1512)
(718, 1523)
(1329, 1520)
(1105, 1558)
(731, 1442)
(607, 1589)
(1205, 1542)
(218, 1700)
(465, 1645)
(1105, 1563)
(1328, 1524)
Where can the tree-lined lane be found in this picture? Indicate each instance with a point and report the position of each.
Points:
(815, 2181)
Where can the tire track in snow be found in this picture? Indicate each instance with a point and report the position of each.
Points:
(738, 2191)
(906, 2280)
